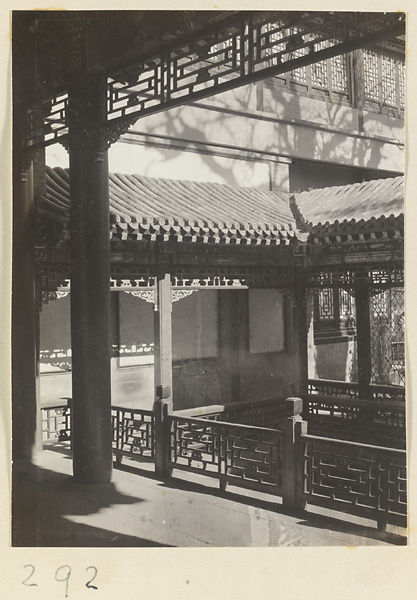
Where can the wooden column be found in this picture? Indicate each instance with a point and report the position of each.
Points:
(363, 331)
(298, 337)
(24, 373)
(293, 465)
(90, 282)
(163, 338)
(163, 371)
(358, 84)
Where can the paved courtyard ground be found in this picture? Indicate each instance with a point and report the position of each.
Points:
(137, 509)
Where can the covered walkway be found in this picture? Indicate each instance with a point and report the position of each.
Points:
(139, 510)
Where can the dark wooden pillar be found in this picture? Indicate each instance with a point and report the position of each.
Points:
(24, 405)
(298, 337)
(358, 84)
(363, 330)
(90, 282)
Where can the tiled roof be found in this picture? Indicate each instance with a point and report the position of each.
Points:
(371, 207)
(146, 209)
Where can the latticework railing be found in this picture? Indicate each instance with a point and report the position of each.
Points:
(56, 423)
(241, 455)
(352, 477)
(327, 387)
(382, 423)
(364, 480)
(265, 413)
(133, 433)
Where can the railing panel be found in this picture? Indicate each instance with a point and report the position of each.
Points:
(377, 392)
(382, 423)
(386, 392)
(360, 479)
(56, 423)
(133, 433)
(328, 387)
(265, 413)
(242, 455)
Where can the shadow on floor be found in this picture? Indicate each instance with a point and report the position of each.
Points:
(47, 508)
(309, 519)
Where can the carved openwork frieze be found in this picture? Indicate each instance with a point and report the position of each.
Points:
(149, 295)
(47, 297)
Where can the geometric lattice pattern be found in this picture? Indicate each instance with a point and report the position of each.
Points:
(371, 74)
(56, 424)
(339, 73)
(326, 304)
(369, 422)
(250, 458)
(389, 81)
(387, 337)
(384, 79)
(268, 413)
(353, 478)
(401, 83)
(298, 75)
(133, 432)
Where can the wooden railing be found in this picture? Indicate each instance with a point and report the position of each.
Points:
(264, 413)
(133, 433)
(327, 387)
(241, 455)
(56, 423)
(382, 423)
(376, 392)
(351, 477)
(133, 430)
(360, 479)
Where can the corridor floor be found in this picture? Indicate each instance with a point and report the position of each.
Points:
(139, 510)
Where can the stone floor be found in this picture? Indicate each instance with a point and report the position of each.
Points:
(137, 509)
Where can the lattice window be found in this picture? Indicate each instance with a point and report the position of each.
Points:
(401, 82)
(319, 72)
(387, 337)
(272, 33)
(335, 312)
(384, 80)
(346, 309)
(330, 74)
(298, 75)
(371, 74)
(339, 73)
(326, 305)
(388, 81)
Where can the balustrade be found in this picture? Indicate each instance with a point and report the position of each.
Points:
(352, 477)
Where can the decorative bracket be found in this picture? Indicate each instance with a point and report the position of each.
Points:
(149, 295)
(48, 296)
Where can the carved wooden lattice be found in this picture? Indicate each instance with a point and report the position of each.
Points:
(56, 423)
(381, 423)
(227, 55)
(133, 433)
(333, 388)
(349, 276)
(360, 479)
(387, 337)
(384, 80)
(241, 455)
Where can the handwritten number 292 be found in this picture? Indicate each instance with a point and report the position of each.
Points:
(63, 575)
